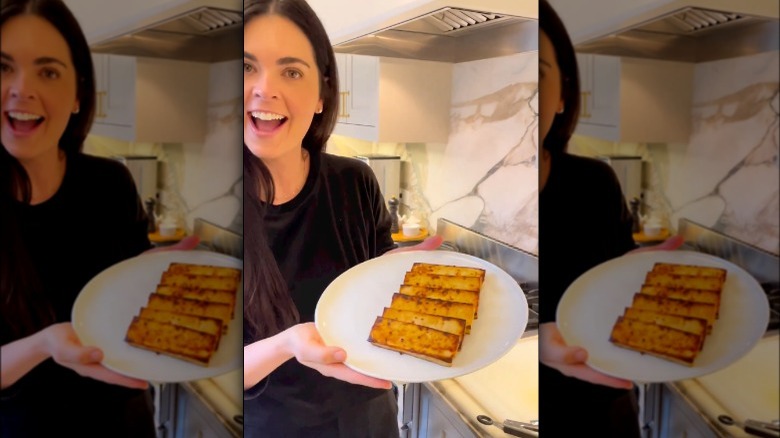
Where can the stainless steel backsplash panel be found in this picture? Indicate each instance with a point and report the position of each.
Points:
(762, 265)
(520, 265)
(218, 239)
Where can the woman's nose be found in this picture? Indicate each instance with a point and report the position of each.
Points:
(20, 87)
(266, 87)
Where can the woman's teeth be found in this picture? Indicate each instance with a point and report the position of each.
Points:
(266, 122)
(267, 116)
(24, 117)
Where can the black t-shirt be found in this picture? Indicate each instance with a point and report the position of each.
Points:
(93, 221)
(583, 222)
(337, 221)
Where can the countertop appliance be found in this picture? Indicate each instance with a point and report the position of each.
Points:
(629, 172)
(730, 402)
(387, 169)
(143, 168)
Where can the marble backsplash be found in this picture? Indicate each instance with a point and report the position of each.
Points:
(728, 175)
(198, 180)
(486, 176)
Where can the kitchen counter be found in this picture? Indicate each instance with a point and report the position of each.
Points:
(506, 389)
(749, 389)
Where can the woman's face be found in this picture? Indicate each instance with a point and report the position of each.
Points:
(550, 88)
(281, 87)
(38, 87)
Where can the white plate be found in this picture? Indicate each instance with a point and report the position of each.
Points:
(105, 308)
(351, 303)
(592, 304)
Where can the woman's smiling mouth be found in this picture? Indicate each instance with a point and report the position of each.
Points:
(23, 122)
(265, 122)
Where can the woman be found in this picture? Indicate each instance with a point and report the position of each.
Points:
(310, 216)
(65, 217)
(572, 394)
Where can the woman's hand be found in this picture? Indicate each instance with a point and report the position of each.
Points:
(64, 347)
(305, 343)
(570, 360)
(429, 244)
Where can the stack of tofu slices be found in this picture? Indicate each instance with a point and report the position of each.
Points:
(672, 314)
(432, 312)
(188, 313)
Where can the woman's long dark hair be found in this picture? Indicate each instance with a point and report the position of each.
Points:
(268, 307)
(564, 124)
(23, 309)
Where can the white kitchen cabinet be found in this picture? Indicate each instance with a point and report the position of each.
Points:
(635, 100)
(150, 100)
(393, 100)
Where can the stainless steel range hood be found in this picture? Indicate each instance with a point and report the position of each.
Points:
(690, 34)
(449, 35)
(204, 34)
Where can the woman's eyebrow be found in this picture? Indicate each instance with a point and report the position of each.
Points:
(292, 60)
(49, 60)
(38, 61)
(542, 61)
(282, 61)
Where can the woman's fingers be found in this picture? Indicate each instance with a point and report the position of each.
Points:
(584, 372)
(342, 372)
(99, 372)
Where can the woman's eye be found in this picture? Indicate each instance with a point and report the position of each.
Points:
(50, 73)
(293, 74)
(5, 68)
(248, 68)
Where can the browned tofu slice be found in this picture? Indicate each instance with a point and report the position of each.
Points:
(435, 307)
(683, 281)
(443, 323)
(694, 295)
(676, 307)
(422, 342)
(204, 324)
(176, 341)
(187, 306)
(199, 281)
(208, 270)
(194, 293)
(443, 281)
(696, 326)
(451, 270)
(691, 270)
(667, 343)
(456, 295)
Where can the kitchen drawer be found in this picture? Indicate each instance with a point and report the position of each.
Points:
(680, 420)
(194, 419)
(439, 419)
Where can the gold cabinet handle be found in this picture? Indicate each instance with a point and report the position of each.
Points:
(585, 114)
(100, 114)
(343, 113)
